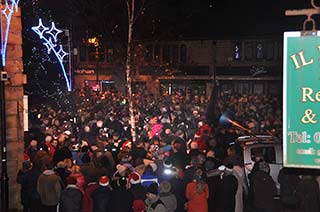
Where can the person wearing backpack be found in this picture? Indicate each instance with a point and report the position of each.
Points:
(289, 182)
(153, 202)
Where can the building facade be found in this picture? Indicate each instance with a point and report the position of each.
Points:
(244, 65)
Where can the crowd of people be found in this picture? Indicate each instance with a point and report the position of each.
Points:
(84, 158)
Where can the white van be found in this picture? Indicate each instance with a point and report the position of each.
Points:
(270, 148)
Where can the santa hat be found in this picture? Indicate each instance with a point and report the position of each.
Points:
(134, 178)
(104, 181)
(126, 144)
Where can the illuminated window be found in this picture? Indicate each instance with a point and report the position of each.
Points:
(237, 51)
(259, 50)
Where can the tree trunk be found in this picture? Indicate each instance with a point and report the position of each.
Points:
(130, 7)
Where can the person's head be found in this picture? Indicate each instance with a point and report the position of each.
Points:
(104, 181)
(165, 187)
(210, 153)
(152, 191)
(264, 166)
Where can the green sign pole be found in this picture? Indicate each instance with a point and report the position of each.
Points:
(301, 100)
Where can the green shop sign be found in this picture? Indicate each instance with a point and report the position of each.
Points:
(301, 100)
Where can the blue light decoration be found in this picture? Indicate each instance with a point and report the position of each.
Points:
(10, 7)
(50, 42)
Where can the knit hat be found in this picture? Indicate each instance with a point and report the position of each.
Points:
(134, 178)
(71, 180)
(104, 181)
(153, 188)
(165, 187)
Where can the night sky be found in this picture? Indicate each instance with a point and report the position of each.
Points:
(217, 18)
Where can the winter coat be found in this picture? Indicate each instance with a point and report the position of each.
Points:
(138, 191)
(213, 185)
(121, 200)
(21, 179)
(308, 195)
(288, 187)
(264, 189)
(87, 203)
(239, 173)
(49, 187)
(228, 186)
(71, 199)
(197, 202)
(169, 200)
(155, 205)
(101, 199)
(178, 189)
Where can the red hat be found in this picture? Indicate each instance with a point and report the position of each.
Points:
(126, 144)
(134, 178)
(104, 181)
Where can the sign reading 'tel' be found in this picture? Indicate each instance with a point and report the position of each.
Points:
(301, 100)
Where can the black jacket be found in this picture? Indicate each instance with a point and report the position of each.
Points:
(71, 199)
(101, 199)
(121, 200)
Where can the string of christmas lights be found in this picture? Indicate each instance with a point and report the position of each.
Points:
(51, 43)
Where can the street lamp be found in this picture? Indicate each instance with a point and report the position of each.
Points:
(95, 42)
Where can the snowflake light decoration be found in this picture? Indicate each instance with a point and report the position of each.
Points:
(10, 7)
(51, 43)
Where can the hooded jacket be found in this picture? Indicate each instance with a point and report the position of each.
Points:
(49, 187)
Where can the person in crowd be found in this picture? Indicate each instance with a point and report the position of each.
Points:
(308, 194)
(213, 180)
(264, 188)
(227, 189)
(49, 186)
(197, 194)
(153, 202)
(165, 127)
(22, 180)
(102, 195)
(169, 200)
(138, 191)
(121, 197)
(87, 203)
(289, 181)
(71, 197)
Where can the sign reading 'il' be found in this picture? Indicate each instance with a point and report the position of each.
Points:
(301, 100)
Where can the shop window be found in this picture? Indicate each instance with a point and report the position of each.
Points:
(237, 51)
(92, 53)
(258, 88)
(183, 54)
(175, 55)
(83, 53)
(148, 54)
(157, 53)
(259, 51)
(110, 55)
(165, 54)
(269, 50)
(248, 51)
